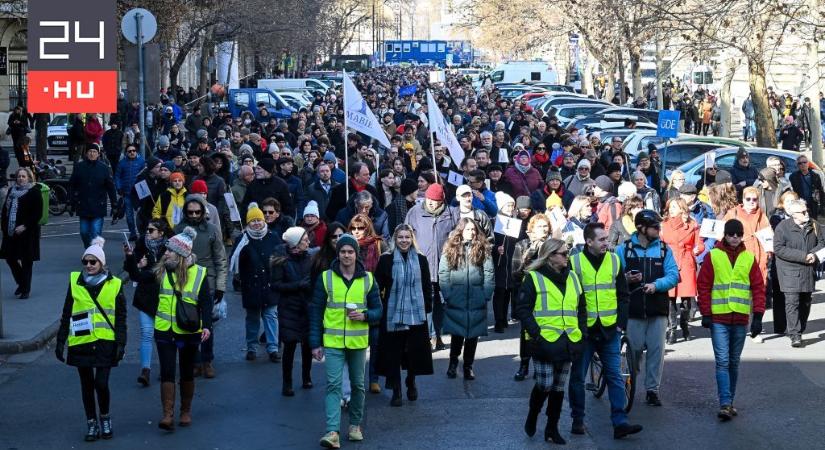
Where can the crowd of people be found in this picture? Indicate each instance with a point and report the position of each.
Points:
(368, 257)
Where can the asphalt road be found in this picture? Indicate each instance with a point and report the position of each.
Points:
(780, 397)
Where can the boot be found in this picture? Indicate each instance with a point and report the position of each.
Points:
(208, 370)
(396, 394)
(523, 370)
(451, 369)
(92, 430)
(106, 426)
(198, 370)
(187, 391)
(412, 390)
(537, 397)
(551, 432)
(167, 399)
(144, 377)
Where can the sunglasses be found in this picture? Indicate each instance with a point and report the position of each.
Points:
(735, 234)
(804, 213)
(151, 230)
(131, 151)
(751, 199)
(584, 168)
(358, 228)
(269, 212)
(802, 163)
(89, 262)
(336, 236)
(190, 212)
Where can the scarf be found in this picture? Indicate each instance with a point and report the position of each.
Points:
(540, 159)
(357, 185)
(522, 169)
(405, 306)
(369, 252)
(14, 194)
(435, 212)
(94, 280)
(153, 245)
(257, 235)
(234, 265)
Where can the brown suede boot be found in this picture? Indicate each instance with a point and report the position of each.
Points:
(208, 370)
(187, 391)
(167, 398)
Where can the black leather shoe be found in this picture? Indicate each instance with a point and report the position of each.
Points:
(578, 427)
(439, 345)
(287, 391)
(469, 374)
(412, 391)
(250, 356)
(451, 369)
(396, 398)
(274, 357)
(652, 399)
(24, 295)
(523, 371)
(625, 429)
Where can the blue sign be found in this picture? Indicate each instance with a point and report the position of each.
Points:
(407, 90)
(668, 125)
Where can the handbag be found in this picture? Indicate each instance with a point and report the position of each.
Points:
(187, 315)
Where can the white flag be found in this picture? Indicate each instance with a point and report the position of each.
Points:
(358, 114)
(443, 132)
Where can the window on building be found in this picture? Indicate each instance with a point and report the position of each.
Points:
(397, 48)
(535, 76)
(389, 48)
(441, 48)
(415, 44)
(406, 47)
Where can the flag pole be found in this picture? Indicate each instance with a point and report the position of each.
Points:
(346, 142)
(432, 141)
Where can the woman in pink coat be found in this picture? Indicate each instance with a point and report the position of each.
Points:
(681, 233)
(523, 176)
(93, 129)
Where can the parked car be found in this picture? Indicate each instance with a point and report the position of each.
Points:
(714, 139)
(567, 112)
(726, 157)
(57, 135)
(638, 140)
(601, 120)
(679, 153)
(651, 115)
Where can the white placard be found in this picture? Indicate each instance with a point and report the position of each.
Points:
(765, 236)
(177, 214)
(455, 178)
(710, 159)
(234, 214)
(437, 76)
(820, 255)
(142, 189)
(84, 324)
(714, 229)
(503, 157)
(557, 218)
(508, 226)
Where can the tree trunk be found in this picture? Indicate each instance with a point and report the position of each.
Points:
(812, 93)
(587, 75)
(725, 119)
(622, 91)
(765, 128)
(203, 66)
(610, 81)
(660, 100)
(636, 70)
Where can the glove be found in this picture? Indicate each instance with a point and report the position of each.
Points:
(706, 321)
(756, 325)
(58, 352)
(121, 352)
(218, 295)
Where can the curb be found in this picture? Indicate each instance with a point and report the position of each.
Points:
(30, 345)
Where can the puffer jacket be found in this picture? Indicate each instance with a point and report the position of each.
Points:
(466, 291)
(292, 283)
(90, 184)
(127, 172)
(168, 202)
(255, 274)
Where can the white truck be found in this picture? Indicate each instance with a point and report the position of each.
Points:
(277, 84)
(516, 71)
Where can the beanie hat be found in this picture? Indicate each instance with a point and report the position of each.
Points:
(182, 243)
(267, 164)
(199, 187)
(96, 250)
(627, 190)
(200, 134)
(253, 212)
(177, 176)
(434, 192)
(553, 175)
(503, 199)
(273, 147)
(163, 141)
(152, 162)
(583, 163)
(688, 189)
(330, 157)
(734, 226)
(348, 239)
(604, 183)
(311, 209)
(523, 202)
(293, 235)
(556, 146)
(742, 152)
(245, 148)
(169, 165)
(408, 186)
(553, 201)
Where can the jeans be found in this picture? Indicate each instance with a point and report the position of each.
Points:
(436, 318)
(147, 333)
(728, 341)
(130, 214)
(269, 314)
(649, 334)
(610, 356)
(797, 310)
(749, 129)
(336, 360)
(90, 228)
(373, 354)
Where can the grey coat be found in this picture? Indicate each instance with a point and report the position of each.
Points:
(790, 245)
(466, 291)
(208, 248)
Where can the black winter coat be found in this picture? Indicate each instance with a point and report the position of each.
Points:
(261, 189)
(255, 275)
(563, 349)
(292, 282)
(503, 263)
(338, 198)
(99, 353)
(90, 184)
(816, 190)
(791, 244)
(146, 293)
(26, 245)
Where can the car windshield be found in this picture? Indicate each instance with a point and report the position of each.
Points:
(59, 121)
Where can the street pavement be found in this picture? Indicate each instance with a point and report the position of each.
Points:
(780, 397)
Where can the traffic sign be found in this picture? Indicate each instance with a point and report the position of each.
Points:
(668, 125)
(129, 27)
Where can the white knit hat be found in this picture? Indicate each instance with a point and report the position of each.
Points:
(311, 209)
(503, 199)
(96, 250)
(182, 243)
(293, 235)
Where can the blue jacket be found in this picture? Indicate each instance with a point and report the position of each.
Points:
(653, 250)
(488, 205)
(700, 211)
(126, 173)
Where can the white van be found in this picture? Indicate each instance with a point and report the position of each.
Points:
(516, 71)
(276, 84)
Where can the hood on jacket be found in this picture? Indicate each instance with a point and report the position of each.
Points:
(198, 199)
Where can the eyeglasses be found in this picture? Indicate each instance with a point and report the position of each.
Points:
(269, 212)
(804, 213)
(735, 234)
(751, 199)
(151, 230)
(193, 212)
(356, 228)
(712, 168)
(584, 168)
(89, 262)
(337, 235)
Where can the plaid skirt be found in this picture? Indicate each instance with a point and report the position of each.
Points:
(552, 376)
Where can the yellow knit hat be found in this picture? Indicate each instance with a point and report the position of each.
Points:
(553, 200)
(254, 213)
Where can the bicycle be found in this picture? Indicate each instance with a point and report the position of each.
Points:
(597, 382)
(53, 175)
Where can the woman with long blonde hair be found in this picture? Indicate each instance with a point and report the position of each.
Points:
(681, 233)
(466, 279)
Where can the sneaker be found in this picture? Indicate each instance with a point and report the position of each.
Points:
(250, 356)
(796, 342)
(331, 440)
(274, 357)
(578, 427)
(92, 430)
(625, 429)
(733, 411)
(725, 413)
(757, 339)
(652, 399)
(355, 433)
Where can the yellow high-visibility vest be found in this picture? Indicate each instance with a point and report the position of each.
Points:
(94, 326)
(599, 287)
(339, 330)
(557, 314)
(167, 301)
(731, 284)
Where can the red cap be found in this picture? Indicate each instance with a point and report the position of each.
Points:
(435, 192)
(199, 187)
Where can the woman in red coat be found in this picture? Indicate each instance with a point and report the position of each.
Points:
(93, 129)
(523, 176)
(681, 233)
